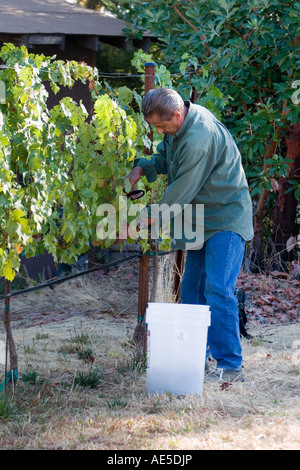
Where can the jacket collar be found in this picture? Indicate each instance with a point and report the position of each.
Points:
(187, 120)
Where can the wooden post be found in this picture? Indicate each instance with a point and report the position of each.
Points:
(10, 344)
(178, 272)
(143, 297)
(149, 85)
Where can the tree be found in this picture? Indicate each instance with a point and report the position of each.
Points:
(246, 60)
(117, 8)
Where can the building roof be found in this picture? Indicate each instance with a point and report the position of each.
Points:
(55, 17)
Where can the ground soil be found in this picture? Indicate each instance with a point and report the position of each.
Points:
(55, 413)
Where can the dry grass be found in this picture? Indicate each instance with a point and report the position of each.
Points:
(54, 412)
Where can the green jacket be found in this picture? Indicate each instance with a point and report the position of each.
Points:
(204, 166)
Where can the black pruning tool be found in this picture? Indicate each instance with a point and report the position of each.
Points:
(135, 194)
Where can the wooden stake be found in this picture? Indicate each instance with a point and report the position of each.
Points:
(140, 331)
(13, 357)
(178, 272)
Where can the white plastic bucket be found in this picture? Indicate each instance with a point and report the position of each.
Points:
(176, 347)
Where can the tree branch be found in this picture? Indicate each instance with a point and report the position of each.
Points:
(268, 154)
(194, 28)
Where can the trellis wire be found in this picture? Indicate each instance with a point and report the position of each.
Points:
(104, 74)
(62, 279)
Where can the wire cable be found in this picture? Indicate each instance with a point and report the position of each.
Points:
(81, 273)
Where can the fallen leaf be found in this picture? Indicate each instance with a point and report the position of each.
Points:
(226, 385)
(279, 274)
(291, 243)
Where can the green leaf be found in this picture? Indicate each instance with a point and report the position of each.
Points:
(127, 185)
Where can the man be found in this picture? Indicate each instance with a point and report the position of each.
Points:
(204, 166)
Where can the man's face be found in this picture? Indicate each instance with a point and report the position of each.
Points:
(166, 127)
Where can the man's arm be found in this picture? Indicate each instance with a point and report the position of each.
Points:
(150, 168)
(157, 164)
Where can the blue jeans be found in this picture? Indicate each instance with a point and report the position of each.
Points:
(210, 278)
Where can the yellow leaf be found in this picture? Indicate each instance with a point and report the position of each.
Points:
(19, 249)
(8, 271)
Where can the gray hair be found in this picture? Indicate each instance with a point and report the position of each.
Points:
(162, 101)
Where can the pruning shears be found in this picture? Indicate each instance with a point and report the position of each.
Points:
(135, 194)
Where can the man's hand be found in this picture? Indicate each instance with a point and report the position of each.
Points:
(133, 177)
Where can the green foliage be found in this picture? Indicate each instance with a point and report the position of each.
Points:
(6, 407)
(118, 8)
(91, 378)
(57, 166)
(246, 60)
(31, 377)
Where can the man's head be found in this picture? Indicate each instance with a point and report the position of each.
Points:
(164, 109)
